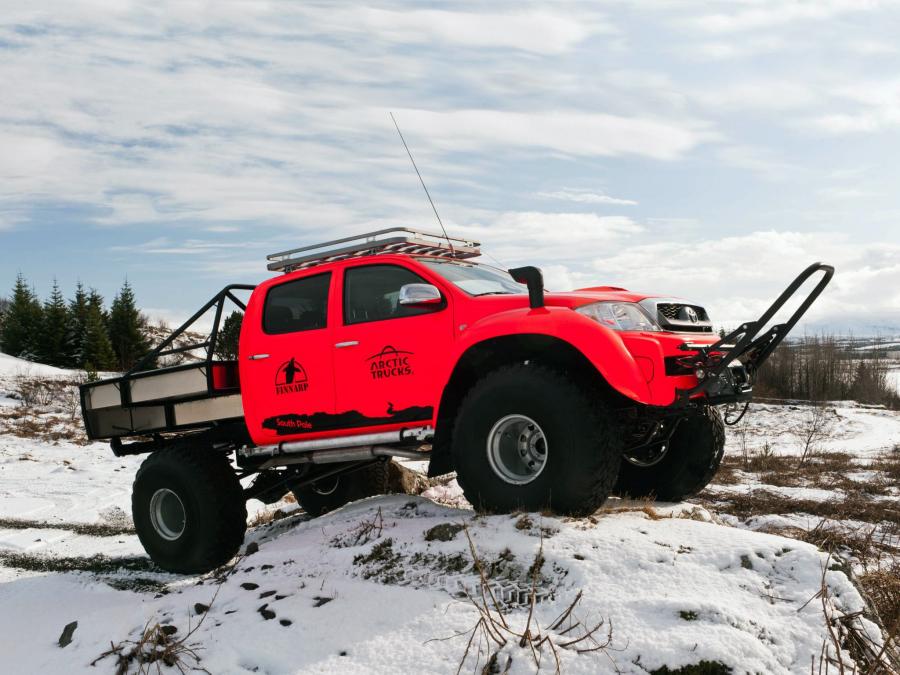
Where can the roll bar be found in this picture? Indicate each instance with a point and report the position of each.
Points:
(747, 345)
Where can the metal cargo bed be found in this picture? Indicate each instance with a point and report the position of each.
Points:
(196, 395)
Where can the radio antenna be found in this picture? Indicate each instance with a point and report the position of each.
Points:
(424, 187)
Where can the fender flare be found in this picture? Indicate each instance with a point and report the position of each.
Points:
(601, 346)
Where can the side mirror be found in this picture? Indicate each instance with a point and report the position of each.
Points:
(420, 294)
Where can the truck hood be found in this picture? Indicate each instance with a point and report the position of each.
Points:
(585, 296)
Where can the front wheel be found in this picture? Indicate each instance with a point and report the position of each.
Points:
(526, 437)
(188, 508)
(684, 467)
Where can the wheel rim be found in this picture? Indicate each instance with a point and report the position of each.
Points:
(167, 514)
(517, 449)
(650, 458)
(325, 486)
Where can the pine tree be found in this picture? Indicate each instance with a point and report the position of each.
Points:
(78, 311)
(127, 329)
(96, 351)
(229, 336)
(4, 305)
(53, 343)
(22, 322)
(94, 299)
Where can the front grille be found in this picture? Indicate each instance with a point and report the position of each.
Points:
(683, 317)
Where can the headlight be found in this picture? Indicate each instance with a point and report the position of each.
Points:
(619, 316)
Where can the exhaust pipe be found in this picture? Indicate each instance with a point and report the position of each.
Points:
(342, 455)
(342, 449)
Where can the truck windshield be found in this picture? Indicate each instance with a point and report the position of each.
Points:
(475, 279)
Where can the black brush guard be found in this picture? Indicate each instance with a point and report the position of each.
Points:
(726, 369)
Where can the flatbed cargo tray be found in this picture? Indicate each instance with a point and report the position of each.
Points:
(169, 399)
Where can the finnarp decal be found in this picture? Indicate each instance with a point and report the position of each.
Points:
(290, 378)
(293, 423)
(390, 362)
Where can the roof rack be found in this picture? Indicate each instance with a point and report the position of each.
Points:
(390, 240)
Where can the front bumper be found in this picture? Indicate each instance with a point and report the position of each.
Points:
(719, 370)
(670, 366)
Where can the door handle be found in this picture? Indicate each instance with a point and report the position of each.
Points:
(258, 357)
(348, 343)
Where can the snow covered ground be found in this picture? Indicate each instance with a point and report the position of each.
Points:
(894, 378)
(389, 584)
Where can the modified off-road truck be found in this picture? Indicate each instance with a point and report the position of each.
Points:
(397, 344)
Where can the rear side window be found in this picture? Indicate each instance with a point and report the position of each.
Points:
(372, 293)
(297, 305)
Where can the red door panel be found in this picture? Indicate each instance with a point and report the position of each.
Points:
(388, 372)
(286, 354)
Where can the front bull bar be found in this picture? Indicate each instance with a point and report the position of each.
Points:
(721, 379)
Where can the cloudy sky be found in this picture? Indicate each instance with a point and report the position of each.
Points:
(701, 149)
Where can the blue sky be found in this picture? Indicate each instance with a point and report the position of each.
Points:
(701, 149)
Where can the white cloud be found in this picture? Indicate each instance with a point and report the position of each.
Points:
(534, 31)
(750, 46)
(267, 122)
(737, 277)
(760, 160)
(766, 94)
(570, 133)
(521, 236)
(774, 13)
(877, 104)
(585, 197)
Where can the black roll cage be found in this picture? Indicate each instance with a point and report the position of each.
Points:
(218, 300)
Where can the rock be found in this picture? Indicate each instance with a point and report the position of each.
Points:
(267, 613)
(402, 480)
(249, 586)
(168, 629)
(443, 532)
(266, 594)
(252, 548)
(318, 601)
(200, 608)
(66, 638)
(285, 622)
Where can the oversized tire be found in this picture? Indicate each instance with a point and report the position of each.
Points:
(688, 465)
(188, 508)
(526, 437)
(332, 493)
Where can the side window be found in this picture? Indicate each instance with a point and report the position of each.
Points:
(372, 293)
(297, 305)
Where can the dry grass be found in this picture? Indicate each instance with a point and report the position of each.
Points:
(847, 633)
(882, 588)
(156, 645)
(826, 471)
(889, 466)
(269, 516)
(873, 544)
(493, 631)
(853, 506)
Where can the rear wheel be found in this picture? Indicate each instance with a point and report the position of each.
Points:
(188, 509)
(683, 468)
(331, 493)
(526, 437)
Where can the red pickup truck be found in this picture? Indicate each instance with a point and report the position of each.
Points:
(398, 344)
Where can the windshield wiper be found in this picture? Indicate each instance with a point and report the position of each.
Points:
(476, 295)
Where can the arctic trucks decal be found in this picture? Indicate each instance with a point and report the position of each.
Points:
(290, 378)
(390, 362)
(293, 423)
